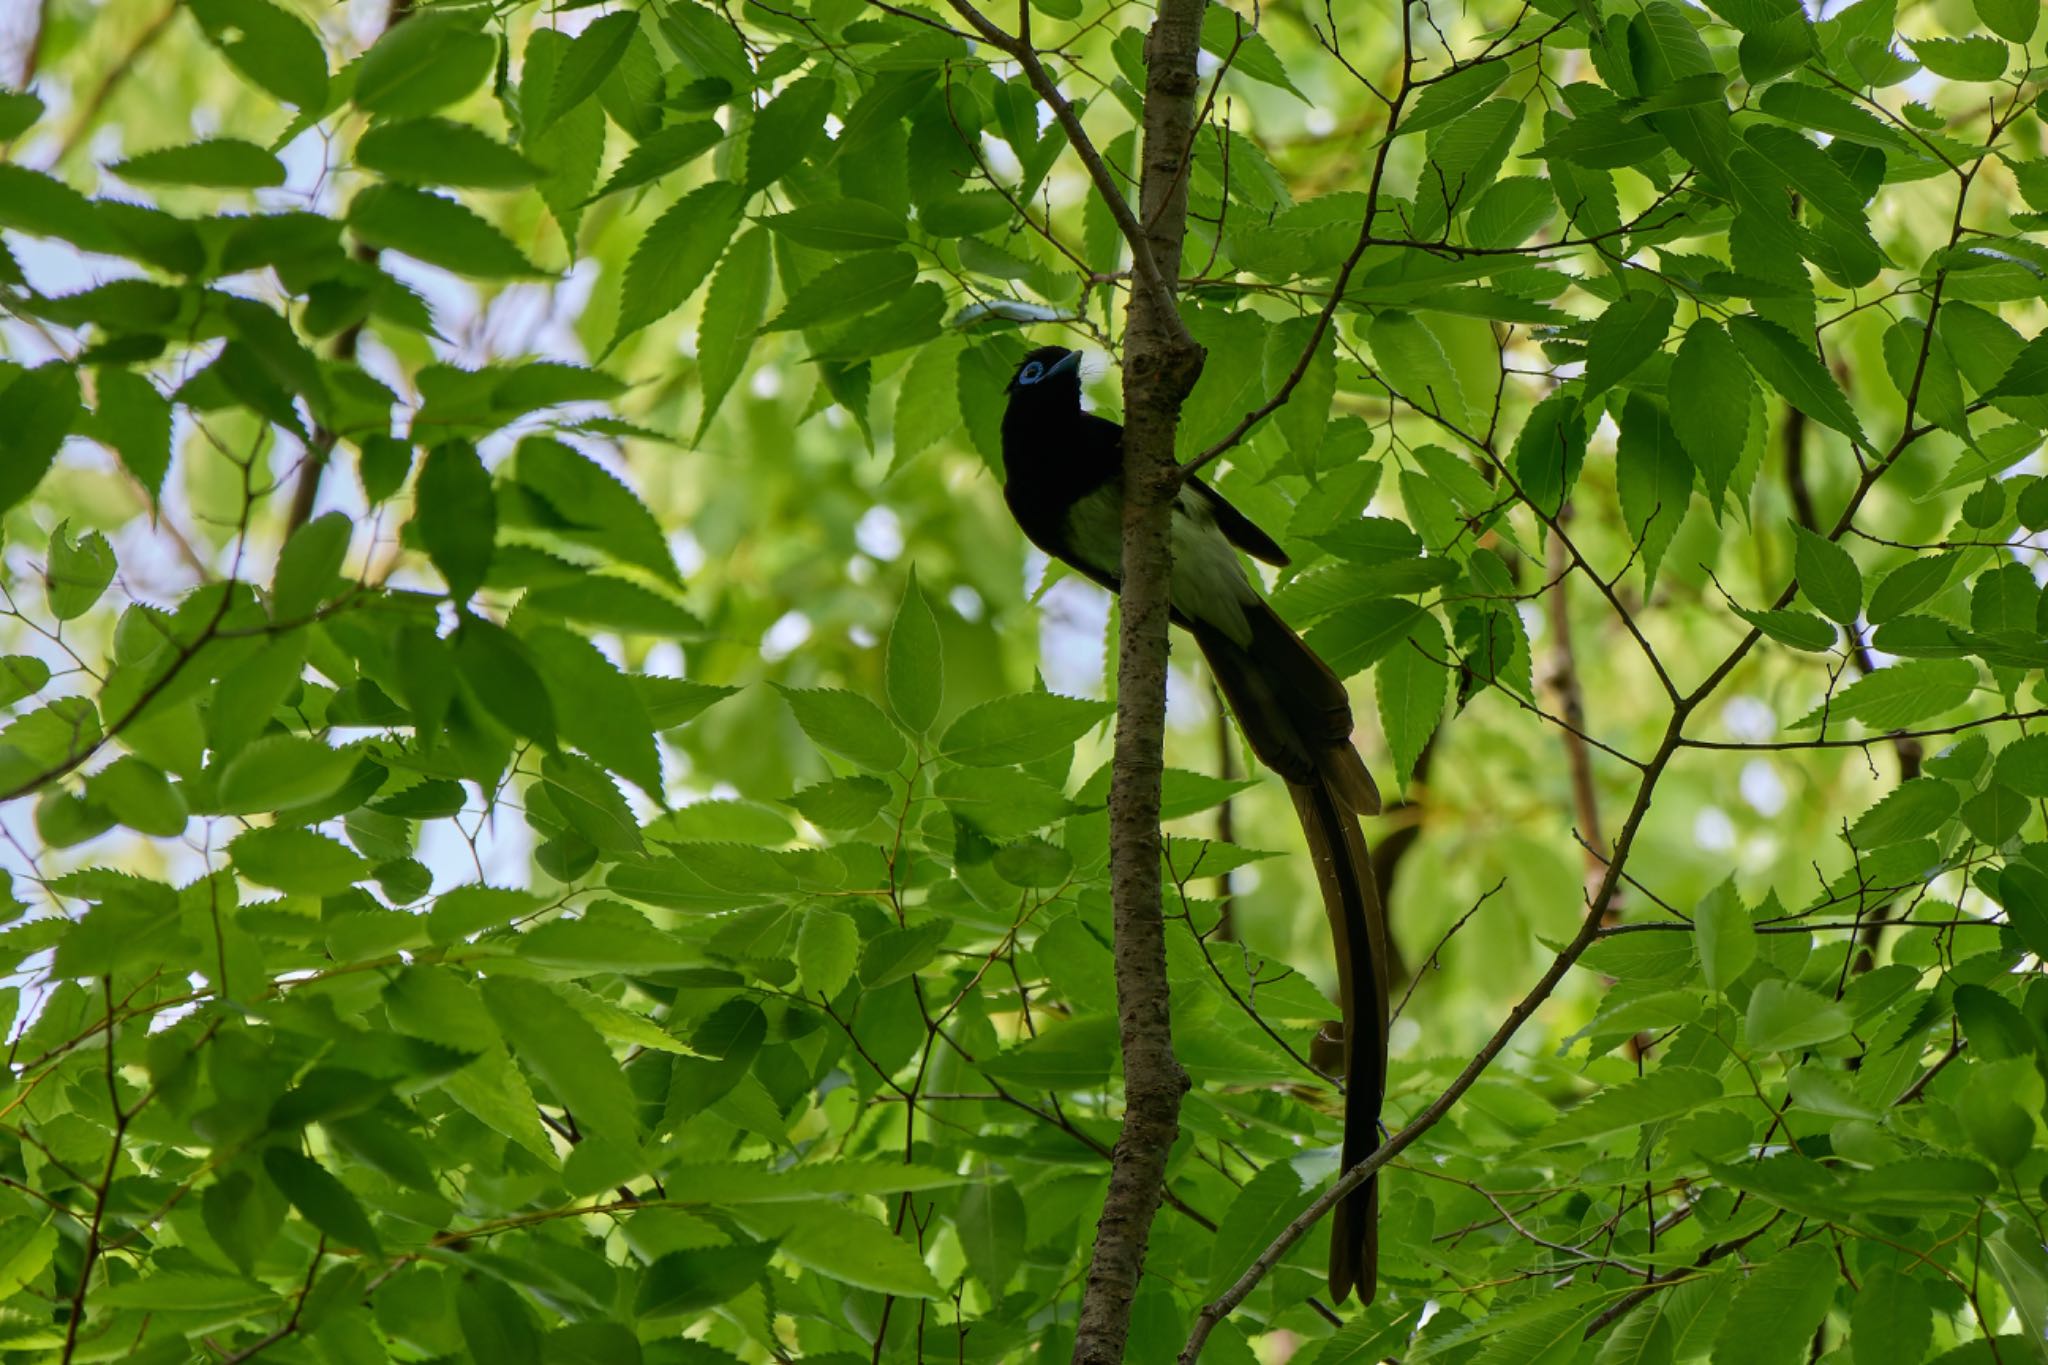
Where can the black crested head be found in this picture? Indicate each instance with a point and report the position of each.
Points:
(1049, 376)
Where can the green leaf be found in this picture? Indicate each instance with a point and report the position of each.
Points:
(19, 110)
(309, 567)
(1782, 1301)
(1655, 478)
(438, 151)
(1710, 395)
(608, 602)
(77, 571)
(562, 1048)
(590, 58)
(136, 420)
(438, 231)
(733, 311)
(37, 409)
(21, 675)
(596, 707)
(278, 772)
(467, 910)
(687, 1282)
(592, 805)
(866, 281)
(1892, 1322)
(431, 60)
(296, 861)
(1511, 211)
(1786, 1017)
(1226, 34)
(788, 130)
(1626, 335)
(224, 163)
(1003, 803)
(1456, 93)
(839, 225)
(1413, 361)
(842, 803)
(846, 724)
(1725, 935)
(496, 1323)
(273, 48)
(660, 153)
(1961, 59)
(457, 516)
(1799, 629)
(1410, 683)
(1812, 106)
(621, 941)
(140, 797)
(1912, 810)
(676, 255)
(43, 206)
(1795, 371)
(915, 660)
(843, 1245)
(2012, 20)
(321, 1199)
(965, 215)
(500, 670)
(827, 947)
(1550, 450)
(1355, 639)
(1652, 1332)
(2023, 766)
(1021, 728)
(597, 508)
(1664, 1093)
(1828, 576)
(1908, 585)
(1902, 694)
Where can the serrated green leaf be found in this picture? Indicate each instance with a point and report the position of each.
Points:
(223, 163)
(1795, 371)
(273, 48)
(676, 256)
(1655, 477)
(1626, 335)
(1410, 683)
(296, 861)
(429, 61)
(438, 231)
(1020, 728)
(1786, 1017)
(439, 151)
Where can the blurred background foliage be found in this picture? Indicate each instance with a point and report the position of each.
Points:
(792, 477)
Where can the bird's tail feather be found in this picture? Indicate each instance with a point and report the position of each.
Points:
(1350, 900)
(1297, 718)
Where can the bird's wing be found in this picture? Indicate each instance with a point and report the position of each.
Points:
(1240, 529)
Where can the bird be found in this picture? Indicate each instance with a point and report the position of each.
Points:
(1063, 482)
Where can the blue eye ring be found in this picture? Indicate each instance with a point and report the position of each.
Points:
(1031, 373)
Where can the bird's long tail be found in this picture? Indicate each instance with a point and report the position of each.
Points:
(1297, 718)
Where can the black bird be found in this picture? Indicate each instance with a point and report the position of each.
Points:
(1063, 480)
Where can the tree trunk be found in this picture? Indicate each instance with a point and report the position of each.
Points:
(1160, 367)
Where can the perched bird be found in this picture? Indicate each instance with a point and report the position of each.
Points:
(1063, 480)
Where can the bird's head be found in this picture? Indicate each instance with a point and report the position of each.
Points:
(1049, 375)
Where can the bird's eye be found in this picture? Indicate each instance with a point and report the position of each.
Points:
(1031, 373)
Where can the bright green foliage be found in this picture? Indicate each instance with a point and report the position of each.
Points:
(509, 863)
